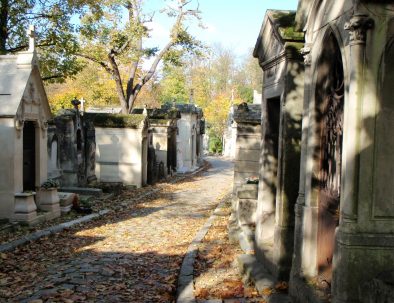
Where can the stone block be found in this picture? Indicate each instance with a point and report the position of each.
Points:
(248, 191)
(66, 199)
(27, 218)
(24, 203)
(251, 167)
(379, 289)
(65, 209)
(47, 197)
(246, 212)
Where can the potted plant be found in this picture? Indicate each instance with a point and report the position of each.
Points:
(48, 199)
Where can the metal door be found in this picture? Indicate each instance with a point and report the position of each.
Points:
(29, 156)
(331, 133)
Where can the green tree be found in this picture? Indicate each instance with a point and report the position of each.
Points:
(173, 85)
(116, 43)
(55, 33)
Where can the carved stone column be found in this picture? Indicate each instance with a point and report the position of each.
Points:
(351, 243)
(300, 204)
(357, 26)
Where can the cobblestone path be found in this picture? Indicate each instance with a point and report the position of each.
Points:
(129, 255)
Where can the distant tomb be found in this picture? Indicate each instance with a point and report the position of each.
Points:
(191, 128)
(71, 148)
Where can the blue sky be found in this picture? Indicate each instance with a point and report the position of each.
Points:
(234, 24)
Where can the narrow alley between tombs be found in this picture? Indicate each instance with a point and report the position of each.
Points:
(131, 254)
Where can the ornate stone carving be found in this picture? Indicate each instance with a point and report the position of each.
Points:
(357, 27)
(306, 52)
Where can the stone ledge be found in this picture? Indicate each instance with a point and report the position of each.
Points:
(365, 239)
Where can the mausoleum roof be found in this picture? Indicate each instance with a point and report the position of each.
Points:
(163, 113)
(116, 120)
(248, 113)
(285, 23)
(15, 74)
(278, 33)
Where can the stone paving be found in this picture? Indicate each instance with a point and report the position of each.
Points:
(132, 255)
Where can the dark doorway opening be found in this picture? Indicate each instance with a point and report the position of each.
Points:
(272, 140)
(29, 156)
(330, 106)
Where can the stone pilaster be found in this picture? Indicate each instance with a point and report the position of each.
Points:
(357, 26)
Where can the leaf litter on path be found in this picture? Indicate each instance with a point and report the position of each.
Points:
(132, 254)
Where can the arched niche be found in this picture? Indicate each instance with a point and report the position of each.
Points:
(54, 154)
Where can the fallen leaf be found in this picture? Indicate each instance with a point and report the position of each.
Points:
(267, 291)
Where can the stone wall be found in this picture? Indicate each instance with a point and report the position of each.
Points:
(248, 142)
(122, 151)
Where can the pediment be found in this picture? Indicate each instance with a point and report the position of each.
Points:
(278, 28)
(22, 91)
(269, 43)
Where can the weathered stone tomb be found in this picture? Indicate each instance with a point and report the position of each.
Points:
(343, 220)
(24, 113)
(71, 148)
(277, 49)
(191, 128)
(121, 148)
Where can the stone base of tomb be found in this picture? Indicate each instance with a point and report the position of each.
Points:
(25, 208)
(242, 221)
(363, 267)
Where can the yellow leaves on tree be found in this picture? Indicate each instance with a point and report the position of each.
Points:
(216, 113)
(92, 84)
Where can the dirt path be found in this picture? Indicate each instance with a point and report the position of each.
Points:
(130, 255)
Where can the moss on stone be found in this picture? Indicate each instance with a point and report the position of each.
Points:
(286, 24)
(294, 45)
(159, 121)
(115, 120)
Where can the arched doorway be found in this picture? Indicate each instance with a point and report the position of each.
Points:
(29, 156)
(329, 96)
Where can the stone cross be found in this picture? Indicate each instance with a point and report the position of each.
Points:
(82, 104)
(145, 111)
(32, 38)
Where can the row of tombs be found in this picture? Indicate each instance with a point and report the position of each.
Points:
(314, 164)
(78, 149)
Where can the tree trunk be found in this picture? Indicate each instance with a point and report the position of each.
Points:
(118, 82)
(3, 25)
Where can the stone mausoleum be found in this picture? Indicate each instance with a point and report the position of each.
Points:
(191, 129)
(278, 51)
(24, 115)
(121, 148)
(325, 212)
(163, 125)
(71, 148)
